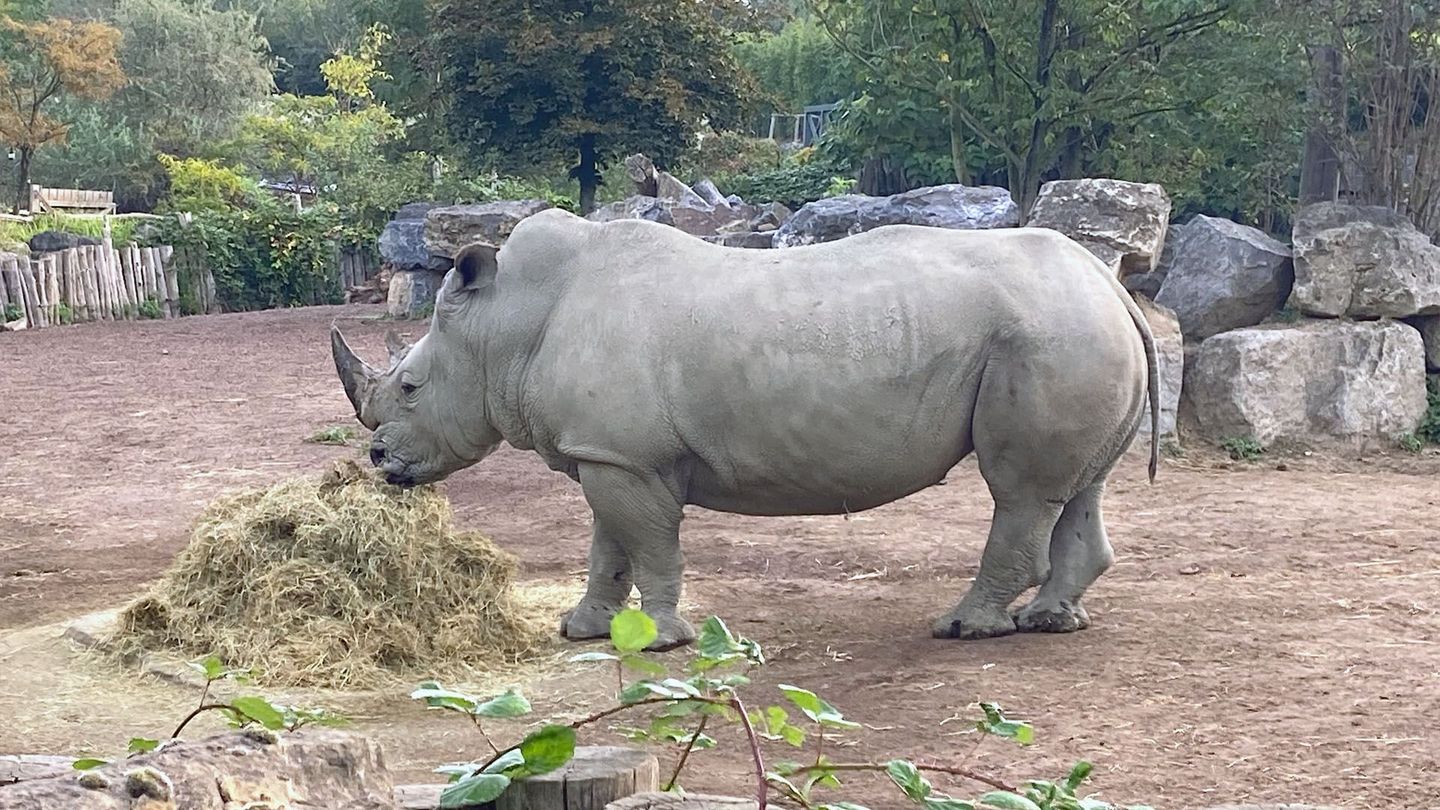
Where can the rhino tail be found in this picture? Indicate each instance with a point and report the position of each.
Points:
(1152, 366)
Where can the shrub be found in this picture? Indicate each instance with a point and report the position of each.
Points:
(207, 185)
(1242, 448)
(805, 177)
(1429, 430)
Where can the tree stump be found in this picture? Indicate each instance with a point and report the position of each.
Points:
(692, 801)
(596, 777)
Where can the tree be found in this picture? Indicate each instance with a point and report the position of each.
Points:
(302, 34)
(45, 61)
(1026, 85)
(195, 71)
(530, 82)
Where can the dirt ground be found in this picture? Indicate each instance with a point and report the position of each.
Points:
(1269, 632)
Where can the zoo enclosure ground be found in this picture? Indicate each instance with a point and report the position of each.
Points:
(1265, 635)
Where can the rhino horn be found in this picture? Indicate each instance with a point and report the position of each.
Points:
(396, 347)
(357, 377)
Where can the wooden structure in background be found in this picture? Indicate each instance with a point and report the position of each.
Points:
(101, 283)
(70, 201)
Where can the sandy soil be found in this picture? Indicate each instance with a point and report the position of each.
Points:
(1269, 632)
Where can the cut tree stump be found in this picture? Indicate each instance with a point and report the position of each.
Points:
(691, 801)
(593, 780)
(308, 769)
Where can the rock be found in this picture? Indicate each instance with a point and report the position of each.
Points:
(641, 171)
(1219, 275)
(704, 220)
(1123, 223)
(412, 294)
(1363, 262)
(1170, 356)
(1358, 384)
(947, 206)
(668, 187)
(744, 239)
(402, 242)
(24, 767)
(253, 768)
(637, 207)
(452, 227)
(734, 199)
(1429, 327)
(770, 216)
(49, 241)
(710, 194)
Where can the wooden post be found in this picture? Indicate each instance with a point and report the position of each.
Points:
(77, 287)
(32, 300)
(127, 272)
(4, 295)
(52, 278)
(172, 280)
(596, 777)
(92, 290)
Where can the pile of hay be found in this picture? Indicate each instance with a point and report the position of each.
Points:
(339, 581)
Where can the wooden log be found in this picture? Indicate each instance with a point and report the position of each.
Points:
(597, 777)
(152, 276)
(92, 290)
(4, 299)
(78, 303)
(689, 801)
(10, 281)
(32, 301)
(172, 282)
(212, 293)
(127, 272)
(57, 298)
(123, 305)
(320, 768)
(42, 298)
(102, 287)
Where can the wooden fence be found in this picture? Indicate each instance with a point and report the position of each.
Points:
(101, 283)
(357, 266)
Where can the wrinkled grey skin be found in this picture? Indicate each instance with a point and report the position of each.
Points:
(659, 371)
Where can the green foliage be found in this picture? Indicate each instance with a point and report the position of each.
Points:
(531, 83)
(797, 66)
(64, 313)
(1429, 430)
(150, 309)
(13, 312)
(708, 692)
(1242, 448)
(207, 185)
(335, 434)
(805, 177)
(121, 230)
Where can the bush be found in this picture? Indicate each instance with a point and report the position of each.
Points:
(121, 230)
(207, 185)
(265, 257)
(1429, 430)
(805, 177)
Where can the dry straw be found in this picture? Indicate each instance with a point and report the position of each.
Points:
(338, 581)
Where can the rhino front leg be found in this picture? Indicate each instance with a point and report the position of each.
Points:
(642, 515)
(607, 588)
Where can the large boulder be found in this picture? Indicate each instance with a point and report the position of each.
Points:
(1121, 222)
(1363, 262)
(693, 216)
(452, 227)
(1170, 357)
(1358, 384)
(50, 241)
(639, 206)
(402, 242)
(947, 206)
(1220, 275)
(412, 294)
(253, 768)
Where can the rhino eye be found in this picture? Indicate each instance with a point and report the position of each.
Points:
(407, 389)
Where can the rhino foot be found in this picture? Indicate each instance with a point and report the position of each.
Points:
(974, 625)
(587, 621)
(674, 632)
(1062, 618)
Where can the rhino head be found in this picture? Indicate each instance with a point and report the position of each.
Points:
(428, 408)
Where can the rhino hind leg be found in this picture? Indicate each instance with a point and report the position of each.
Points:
(1079, 553)
(638, 518)
(1019, 531)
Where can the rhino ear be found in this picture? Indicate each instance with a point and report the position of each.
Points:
(396, 347)
(476, 265)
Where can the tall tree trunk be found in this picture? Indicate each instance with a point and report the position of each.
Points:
(1036, 155)
(22, 188)
(1072, 144)
(1320, 165)
(957, 144)
(588, 174)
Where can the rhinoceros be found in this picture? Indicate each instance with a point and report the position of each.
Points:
(660, 371)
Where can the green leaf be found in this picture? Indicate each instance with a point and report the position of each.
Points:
(644, 690)
(547, 749)
(589, 657)
(907, 777)
(1006, 800)
(995, 723)
(816, 708)
(716, 641)
(841, 806)
(477, 789)
(438, 697)
(86, 763)
(704, 742)
(141, 745)
(639, 663)
(457, 770)
(260, 710)
(1078, 775)
(210, 666)
(510, 704)
(681, 687)
(632, 631)
(507, 763)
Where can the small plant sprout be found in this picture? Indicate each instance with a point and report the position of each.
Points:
(684, 707)
(244, 711)
(1242, 448)
(334, 434)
